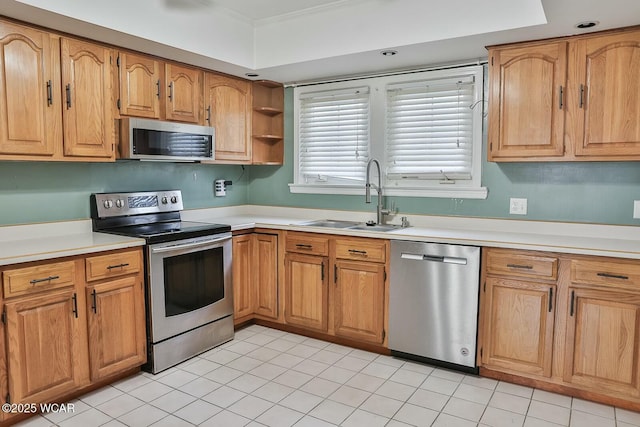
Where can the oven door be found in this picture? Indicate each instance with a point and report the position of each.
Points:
(189, 284)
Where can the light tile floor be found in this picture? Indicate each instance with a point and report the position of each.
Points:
(266, 377)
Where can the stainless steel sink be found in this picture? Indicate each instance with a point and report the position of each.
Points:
(377, 227)
(350, 225)
(331, 223)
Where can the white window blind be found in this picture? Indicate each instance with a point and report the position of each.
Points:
(333, 136)
(430, 129)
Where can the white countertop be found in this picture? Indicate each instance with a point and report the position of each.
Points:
(575, 238)
(23, 243)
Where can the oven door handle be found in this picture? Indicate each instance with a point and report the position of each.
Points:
(173, 248)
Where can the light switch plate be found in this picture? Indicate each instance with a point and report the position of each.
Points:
(636, 208)
(517, 206)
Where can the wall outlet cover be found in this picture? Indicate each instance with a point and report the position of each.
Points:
(517, 206)
(636, 209)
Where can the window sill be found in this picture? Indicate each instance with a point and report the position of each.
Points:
(440, 192)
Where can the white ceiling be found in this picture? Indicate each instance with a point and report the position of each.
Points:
(300, 40)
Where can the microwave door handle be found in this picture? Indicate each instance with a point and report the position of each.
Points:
(185, 246)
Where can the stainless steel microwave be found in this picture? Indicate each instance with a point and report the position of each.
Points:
(145, 139)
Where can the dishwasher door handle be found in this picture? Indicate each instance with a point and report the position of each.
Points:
(434, 258)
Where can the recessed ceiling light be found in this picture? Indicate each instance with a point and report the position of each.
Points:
(587, 24)
(388, 52)
(252, 75)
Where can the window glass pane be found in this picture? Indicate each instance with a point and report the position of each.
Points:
(333, 135)
(430, 129)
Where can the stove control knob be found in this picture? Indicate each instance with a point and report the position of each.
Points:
(174, 199)
(119, 203)
(164, 200)
(108, 204)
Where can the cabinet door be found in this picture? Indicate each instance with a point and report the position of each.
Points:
(526, 104)
(116, 320)
(139, 85)
(183, 100)
(242, 276)
(602, 341)
(518, 320)
(306, 293)
(607, 94)
(228, 109)
(265, 263)
(87, 77)
(30, 104)
(44, 346)
(359, 301)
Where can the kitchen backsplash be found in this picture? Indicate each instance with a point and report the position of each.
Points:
(47, 191)
(596, 192)
(574, 192)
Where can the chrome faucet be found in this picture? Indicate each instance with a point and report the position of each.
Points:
(380, 211)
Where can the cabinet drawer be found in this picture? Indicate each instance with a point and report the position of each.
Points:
(112, 265)
(605, 272)
(361, 249)
(305, 244)
(39, 278)
(519, 264)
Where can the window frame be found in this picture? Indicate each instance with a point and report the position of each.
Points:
(470, 189)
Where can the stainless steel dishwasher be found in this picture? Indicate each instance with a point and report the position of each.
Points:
(433, 303)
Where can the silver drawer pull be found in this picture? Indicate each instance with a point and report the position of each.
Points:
(520, 266)
(613, 276)
(46, 279)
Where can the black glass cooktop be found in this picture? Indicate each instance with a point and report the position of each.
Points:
(160, 232)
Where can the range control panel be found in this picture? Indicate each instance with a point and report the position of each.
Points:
(124, 204)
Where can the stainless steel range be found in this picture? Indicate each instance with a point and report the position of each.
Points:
(188, 272)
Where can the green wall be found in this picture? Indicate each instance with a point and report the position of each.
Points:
(596, 192)
(48, 191)
(574, 192)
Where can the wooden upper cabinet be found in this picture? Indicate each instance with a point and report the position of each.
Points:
(183, 93)
(228, 110)
(140, 85)
(602, 350)
(605, 77)
(526, 107)
(30, 104)
(87, 79)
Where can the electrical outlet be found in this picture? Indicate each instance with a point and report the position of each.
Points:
(636, 208)
(517, 206)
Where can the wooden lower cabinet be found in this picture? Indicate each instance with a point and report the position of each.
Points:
(242, 276)
(306, 291)
(255, 276)
(519, 321)
(575, 332)
(603, 334)
(116, 321)
(44, 346)
(72, 327)
(359, 301)
(265, 256)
